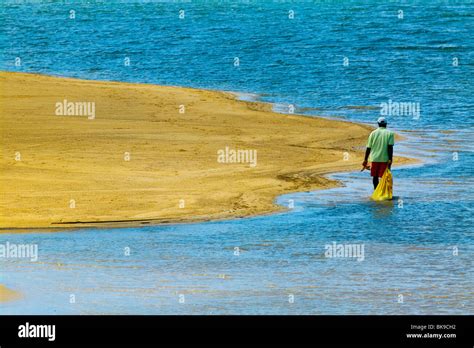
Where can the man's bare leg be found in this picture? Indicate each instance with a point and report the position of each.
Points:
(375, 180)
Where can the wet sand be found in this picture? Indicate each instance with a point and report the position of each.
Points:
(7, 294)
(150, 155)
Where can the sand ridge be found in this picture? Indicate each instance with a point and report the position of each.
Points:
(7, 294)
(150, 154)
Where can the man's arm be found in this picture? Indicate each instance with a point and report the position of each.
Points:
(391, 142)
(390, 156)
(367, 151)
(366, 158)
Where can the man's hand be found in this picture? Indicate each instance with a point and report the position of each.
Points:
(364, 166)
(366, 157)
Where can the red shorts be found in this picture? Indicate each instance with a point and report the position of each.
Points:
(378, 168)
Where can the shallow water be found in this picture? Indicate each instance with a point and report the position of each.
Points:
(409, 244)
(408, 250)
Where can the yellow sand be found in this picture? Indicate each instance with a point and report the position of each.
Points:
(8, 295)
(48, 160)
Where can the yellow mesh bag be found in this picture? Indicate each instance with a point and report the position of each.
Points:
(383, 191)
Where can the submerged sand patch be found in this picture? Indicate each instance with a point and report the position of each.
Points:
(7, 294)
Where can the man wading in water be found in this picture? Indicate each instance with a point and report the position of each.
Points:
(380, 149)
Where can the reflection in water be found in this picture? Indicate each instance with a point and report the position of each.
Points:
(381, 210)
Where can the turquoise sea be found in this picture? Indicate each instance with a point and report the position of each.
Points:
(338, 59)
